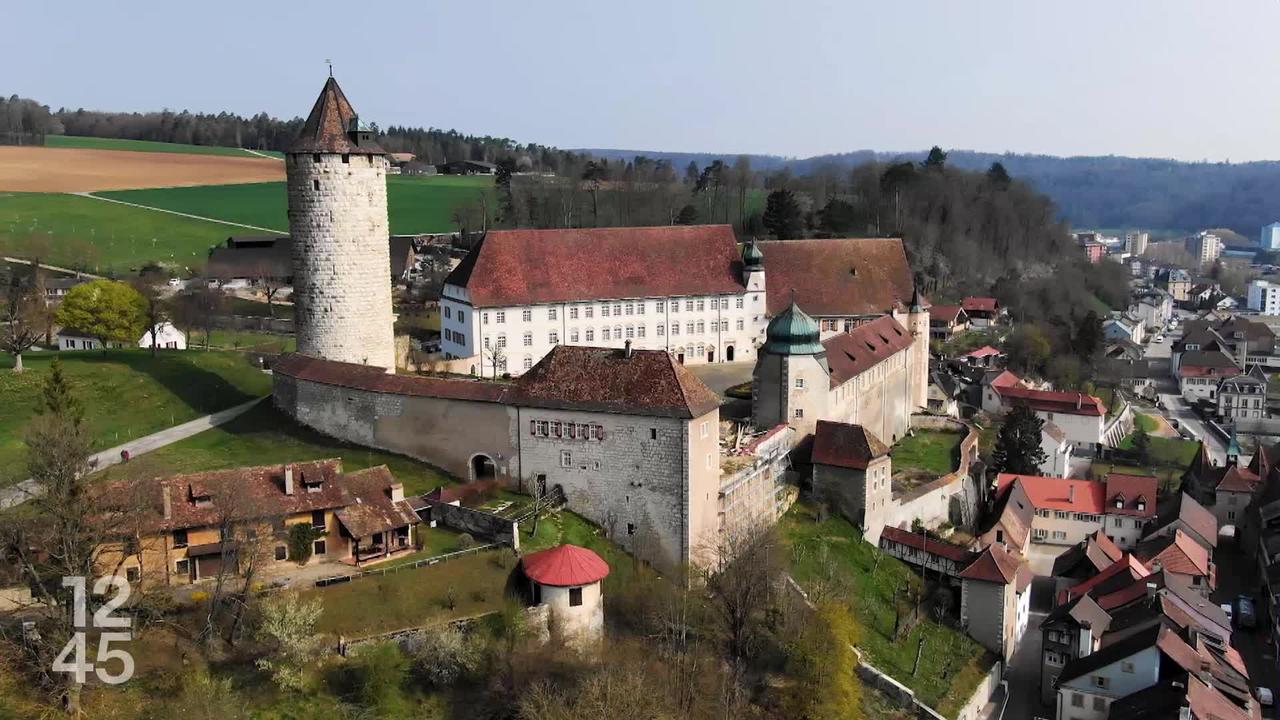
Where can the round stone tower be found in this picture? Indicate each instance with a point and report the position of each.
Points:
(340, 237)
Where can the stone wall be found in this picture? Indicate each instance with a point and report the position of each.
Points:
(954, 497)
(444, 432)
(342, 292)
(477, 523)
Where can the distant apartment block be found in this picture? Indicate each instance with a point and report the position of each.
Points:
(1135, 242)
(1270, 239)
(1205, 247)
(1264, 296)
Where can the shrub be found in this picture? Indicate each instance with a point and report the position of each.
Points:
(301, 539)
(378, 672)
(447, 656)
(465, 541)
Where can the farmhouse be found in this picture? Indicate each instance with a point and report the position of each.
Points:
(467, 167)
(947, 320)
(167, 337)
(983, 312)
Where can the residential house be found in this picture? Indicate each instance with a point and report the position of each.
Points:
(166, 336)
(1200, 371)
(201, 525)
(1226, 490)
(946, 321)
(985, 357)
(1124, 328)
(467, 167)
(1154, 308)
(926, 553)
(1094, 251)
(1083, 418)
(1248, 342)
(1263, 296)
(1176, 282)
(944, 393)
(55, 288)
(1087, 558)
(1009, 521)
(983, 312)
(1205, 294)
(1123, 350)
(1131, 504)
(1180, 556)
(995, 600)
(852, 471)
(1183, 513)
(1136, 376)
(1188, 697)
(1068, 632)
(1243, 396)
(1057, 450)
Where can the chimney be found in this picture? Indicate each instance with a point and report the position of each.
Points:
(626, 350)
(168, 502)
(288, 479)
(1071, 492)
(1079, 400)
(396, 491)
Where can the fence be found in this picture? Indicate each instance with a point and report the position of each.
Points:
(339, 579)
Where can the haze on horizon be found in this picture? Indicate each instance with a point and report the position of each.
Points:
(1160, 78)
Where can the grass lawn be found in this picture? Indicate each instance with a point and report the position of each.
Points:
(416, 204)
(951, 665)
(253, 308)
(93, 143)
(103, 237)
(252, 340)
(932, 451)
(126, 394)
(1170, 452)
(1144, 422)
(264, 436)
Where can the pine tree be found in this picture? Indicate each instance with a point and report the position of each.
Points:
(782, 214)
(937, 159)
(57, 398)
(1018, 444)
(1142, 445)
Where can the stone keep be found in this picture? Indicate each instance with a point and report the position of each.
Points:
(338, 223)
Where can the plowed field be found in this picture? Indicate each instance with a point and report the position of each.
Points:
(42, 169)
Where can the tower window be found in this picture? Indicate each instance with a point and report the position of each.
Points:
(346, 158)
(315, 184)
(315, 158)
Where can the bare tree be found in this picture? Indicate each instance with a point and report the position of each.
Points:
(266, 276)
(497, 357)
(23, 316)
(155, 311)
(197, 310)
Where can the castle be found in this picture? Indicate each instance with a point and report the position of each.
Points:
(633, 440)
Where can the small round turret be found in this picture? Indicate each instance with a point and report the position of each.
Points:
(752, 257)
(792, 332)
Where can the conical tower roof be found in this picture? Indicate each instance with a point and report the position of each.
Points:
(792, 332)
(752, 257)
(332, 126)
(1233, 446)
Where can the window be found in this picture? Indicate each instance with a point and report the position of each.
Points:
(588, 311)
(179, 538)
(631, 309)
(640, 308)
(1077, 700)
(346, 158)
(617, 332)
(1231, 514)
(738, 303)
(662, 329)
(702, 429)
(617, 309)
(133, 574)
(675, 328)
(541, 428)
(573, 335)
(724, 303)
(739, 324)
(448, 312)
(318, 548)
(528, 362)
(315, 184)
(502, 340)
(315, 158)
(675, 306)
(1099, 703)
(528, 339)
(702, 327)
(640, 331)
(710, 463)
(500, 316)
(317, 520)
(631, 331)
(800, 382)
(1101, 681)
(551, 313)
(701, 305)
(182, 567)
(573, 313)
(724, 325)
(575, 594)
(590, 335)
(1053, 658)
(1126, 666)
(526, 315)
(653, 433)
(553, 337)
(556, 428)
(282, 552)
(799, 413)
(604, 310)
(604, 333)
(689, 328)
(659, 306)
(566, 459)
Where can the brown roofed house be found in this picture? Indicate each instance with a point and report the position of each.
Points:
(853, 472)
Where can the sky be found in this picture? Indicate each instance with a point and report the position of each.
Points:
(1186, 79)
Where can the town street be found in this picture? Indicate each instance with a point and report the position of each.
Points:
(1175, 408)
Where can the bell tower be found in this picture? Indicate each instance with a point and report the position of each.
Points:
(338, 224)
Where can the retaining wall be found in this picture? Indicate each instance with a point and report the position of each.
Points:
(478, 523)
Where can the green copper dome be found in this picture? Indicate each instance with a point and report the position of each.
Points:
(792, 332)
(751, 255)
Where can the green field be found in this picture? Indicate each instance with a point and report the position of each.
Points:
(97, 236)
(416, 204)
(126, 394)
(264, 436)
(93, 143)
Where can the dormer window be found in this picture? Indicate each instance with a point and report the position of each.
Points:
(1142, 505)
(1119, 503)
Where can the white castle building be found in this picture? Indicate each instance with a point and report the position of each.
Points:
(685, 290)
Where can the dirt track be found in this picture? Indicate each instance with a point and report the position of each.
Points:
(40, 169)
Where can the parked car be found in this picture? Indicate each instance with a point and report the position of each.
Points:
(1265, 698)
(1245, 614)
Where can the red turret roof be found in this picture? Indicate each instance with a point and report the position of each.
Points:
(566, 565)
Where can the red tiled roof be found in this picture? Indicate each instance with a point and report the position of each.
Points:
(647, 382)
(1054, 493)
(1208, 703)
(372, 510)
(326, 127)
(1130, 490)
(845, 445)
(984, 351)
(853, 353)
(1238, 479)
(565, 566)
(1128, 566)
(995, 565)
(526, 267)
(1005, 379)
(1177, 554)
(837, 276)
(1071, 403)
(927, 544)
(368, 377)
(980, 304)
(944, 313)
